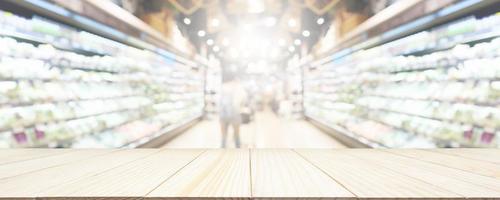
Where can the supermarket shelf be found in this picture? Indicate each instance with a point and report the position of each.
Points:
(40, 40)
(244, 174)
(166, 134)
(366, 35)
(470, 102)
(93, 23)
(470, 41)
(487, 104)
(476, 125)
(32, 103)
(346, 137)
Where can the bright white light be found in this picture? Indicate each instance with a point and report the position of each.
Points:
(225, 42)
(215, 22)
(291, 48)
(210, 42)
(270, 21)
(234, 53)
(274, 53)
(306, 33)
(297, 42)
(187, 21)
(246, 54)
(247, 26)
(320, 20)
(216, 49)
(201, 33)
(281, 42)
(292, 23)
(266, 43)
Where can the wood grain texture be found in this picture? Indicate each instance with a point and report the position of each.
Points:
(487, 155)
(40, 163)
(15, 155)
(132, 180)
(214, 174)
(459, 182)
(283, 173)
(368, 180)
(453, 161)
(249, 174)
(32, 184)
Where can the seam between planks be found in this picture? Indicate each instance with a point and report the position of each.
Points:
(431, 163)
(59, 165)
(456, 155)
(173, 174)
(100, 172)
(324, 172)
(408, 176)
(250, 171)
(435, 163)
(123, 164)
(43, 156)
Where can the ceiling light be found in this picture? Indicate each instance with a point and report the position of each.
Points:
(297, 42)
(270, 21)
(320, 20)
(215, 22)
(291, 48)
(201, 33)
(292, 23)
(216, 49)
(187, 21)
(210, 42)
(306, 33)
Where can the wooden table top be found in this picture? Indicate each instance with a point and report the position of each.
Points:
(249, 173)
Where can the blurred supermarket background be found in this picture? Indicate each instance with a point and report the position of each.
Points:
(314, 73)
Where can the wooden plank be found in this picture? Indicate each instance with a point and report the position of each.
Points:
(283, 173)
(29, 186)
(463, 183)
(132, 180)
(367, 180)
(22, 167)
(15, 155)
(214, 174)
(488, 155)
(453, 161)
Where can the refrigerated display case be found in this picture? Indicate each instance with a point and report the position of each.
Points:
(439, 87)
(65, 87)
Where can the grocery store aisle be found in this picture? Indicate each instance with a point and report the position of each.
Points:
(266, 131)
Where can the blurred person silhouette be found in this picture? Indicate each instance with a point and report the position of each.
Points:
(233, 97)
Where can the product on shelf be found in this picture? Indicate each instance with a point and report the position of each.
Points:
(434, 88)
(72, 88)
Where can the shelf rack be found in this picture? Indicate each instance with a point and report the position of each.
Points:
(396, 22)
(133, 33)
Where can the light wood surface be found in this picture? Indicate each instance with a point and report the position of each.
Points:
(39, 163)
(15, 155)
(30, 185)
(455, 161)
(216, 173)
(283, 173)
(369, 180)
(42, 174)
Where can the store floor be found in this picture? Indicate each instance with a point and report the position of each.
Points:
(266, 131)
